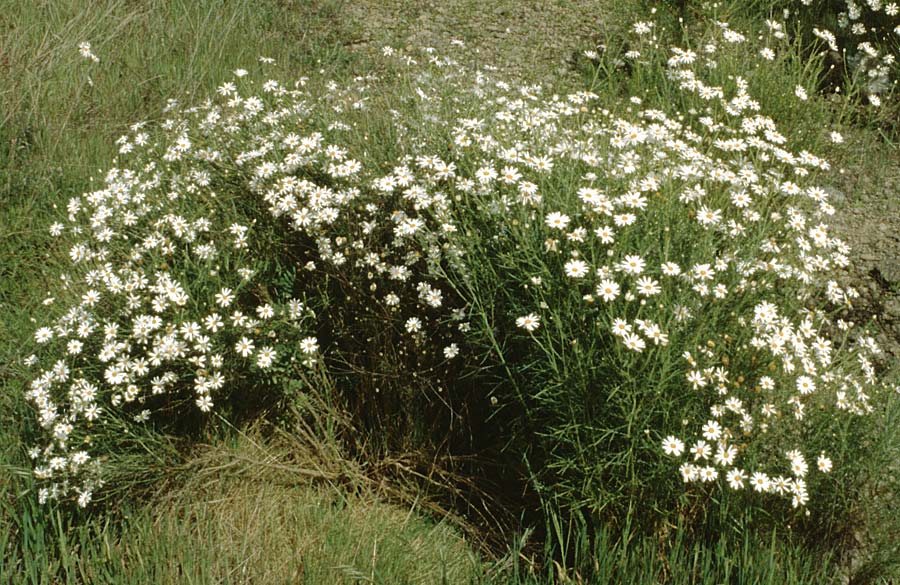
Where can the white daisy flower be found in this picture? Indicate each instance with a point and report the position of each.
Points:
(529, 322)
(576, 268)
(673, 446)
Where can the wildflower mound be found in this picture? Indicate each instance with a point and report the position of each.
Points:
(622, 309)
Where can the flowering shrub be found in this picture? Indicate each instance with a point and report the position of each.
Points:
(630, 240)
(625, 283)
(193, 264)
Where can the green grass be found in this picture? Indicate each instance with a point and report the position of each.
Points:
(245, 511)
(234, 521)
(259, 519)
(247, 530)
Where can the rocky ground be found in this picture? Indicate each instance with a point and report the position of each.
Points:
(866, 192)
(533, 40)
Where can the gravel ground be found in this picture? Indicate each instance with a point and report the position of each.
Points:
(866, 193)
(533, 40)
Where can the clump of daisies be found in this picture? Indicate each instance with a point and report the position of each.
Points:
(224, 250)
(610, 269)
(164, 312)
(865, 35)
(661, 266)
